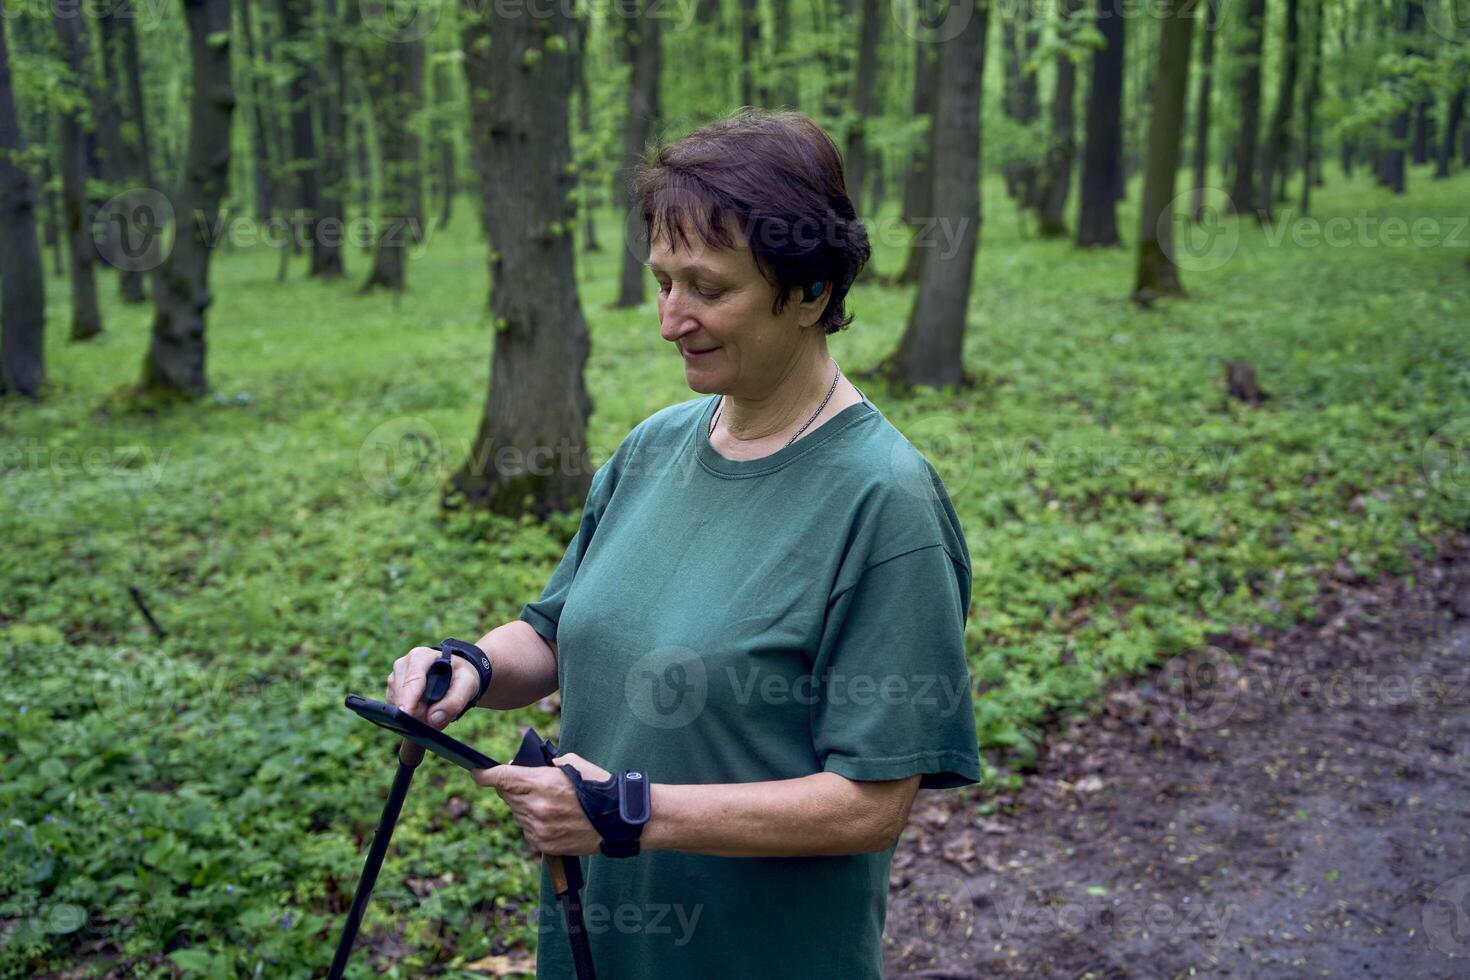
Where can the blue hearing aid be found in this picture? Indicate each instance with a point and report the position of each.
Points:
(814, 290)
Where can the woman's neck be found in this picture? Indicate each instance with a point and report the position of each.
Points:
(747, 423)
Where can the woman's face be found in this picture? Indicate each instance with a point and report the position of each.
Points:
(715, 306)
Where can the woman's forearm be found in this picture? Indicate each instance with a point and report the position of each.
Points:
(820, 814)
(524, 666)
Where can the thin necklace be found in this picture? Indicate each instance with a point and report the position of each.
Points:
(719, 408)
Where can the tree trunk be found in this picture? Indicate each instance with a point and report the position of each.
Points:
(1157, 273)
(1273, 155)
(1392, 171)
(643, 114)
(1021, 102)
(865, 97)
(175, 361)
(932, 347)
(918, 195)
(265, 165)
(86, 317)
(1097, 220)
(1138, 96)
(53, 210)
(1056, 176)
(750, 39)
(786, 73)
(538, 403)
(443, 100)
(363, 156)
(121, 119)
(1423, 128)
(296, 52)
(395, 78)
(326, 250)
(22, 283)
(1248, 93)
(1311, 156)
(1202, 110)
(834, 54)
(1451, 133)
(136, 109)
(587, 175)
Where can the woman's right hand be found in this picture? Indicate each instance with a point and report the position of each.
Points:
(410, 675)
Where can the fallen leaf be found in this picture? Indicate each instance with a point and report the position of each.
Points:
(517, 962)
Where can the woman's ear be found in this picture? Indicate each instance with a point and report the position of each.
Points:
(813, 300)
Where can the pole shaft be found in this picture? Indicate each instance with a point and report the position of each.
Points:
(407, 762)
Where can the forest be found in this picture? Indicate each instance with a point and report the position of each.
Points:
(1174, 295)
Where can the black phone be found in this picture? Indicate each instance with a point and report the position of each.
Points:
(420, 733)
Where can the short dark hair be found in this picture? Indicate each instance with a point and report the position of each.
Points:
(778, 175)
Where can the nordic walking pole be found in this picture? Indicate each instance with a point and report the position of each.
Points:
(565, 872)
(409, 757)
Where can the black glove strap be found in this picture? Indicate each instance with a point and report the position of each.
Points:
(601, 802)
(475, 656)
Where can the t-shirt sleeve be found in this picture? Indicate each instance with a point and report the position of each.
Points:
(892, 685)
(545, 613)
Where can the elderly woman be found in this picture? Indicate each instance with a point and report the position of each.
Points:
(763, 608)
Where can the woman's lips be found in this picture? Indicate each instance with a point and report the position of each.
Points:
(699, 353)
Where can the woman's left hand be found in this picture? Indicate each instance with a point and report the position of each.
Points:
(544, 802)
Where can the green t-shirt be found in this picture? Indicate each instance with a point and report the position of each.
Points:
(724, 621)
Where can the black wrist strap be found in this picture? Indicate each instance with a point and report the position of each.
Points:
(478, 658)
(601, 801)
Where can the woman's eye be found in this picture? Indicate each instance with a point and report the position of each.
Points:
(707, 293)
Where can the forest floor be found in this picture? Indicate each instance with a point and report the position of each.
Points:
(1287, 803)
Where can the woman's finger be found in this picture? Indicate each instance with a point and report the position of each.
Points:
(414, 678)
(464, 684)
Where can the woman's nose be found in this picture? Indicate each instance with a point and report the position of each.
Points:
(673, 319)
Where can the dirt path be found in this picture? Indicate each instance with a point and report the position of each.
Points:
(1290, 805)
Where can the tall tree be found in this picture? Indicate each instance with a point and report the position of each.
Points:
(331, 110)
(444, 103)
(362, 152)
(1020, 35)
(750, 39)
(1392, 171)
(519, 76)
(1243, 192)
(22, 283)
(587, 174)
(43, 125)
(865, 95)
(931, 349)
(1273, 151)
(643, 114)
(1423, 126)
(1056, 171)
(175, 361)
(298, 51)
(1202, 109)
(71, 31)
(1097, 220)
(918, 194)
(785, 92)
(395, 80)
(1157, 273)
(1456, 117)
(124, 126)
(1311, 93)
(264, 145)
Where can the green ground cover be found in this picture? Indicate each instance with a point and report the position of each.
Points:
(193, 802)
